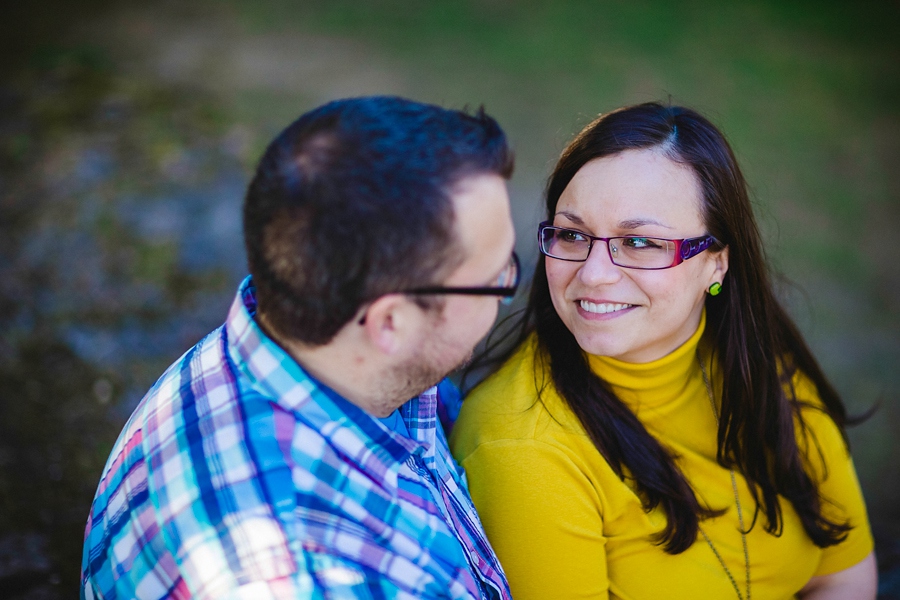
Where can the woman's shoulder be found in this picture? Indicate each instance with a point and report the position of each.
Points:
(517, 402)
(820, 439)
(518, 381)
(803, 391)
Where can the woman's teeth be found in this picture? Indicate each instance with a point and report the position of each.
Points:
(603, 308)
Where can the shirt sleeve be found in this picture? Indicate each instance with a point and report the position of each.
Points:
(541, 516)
(832, 467)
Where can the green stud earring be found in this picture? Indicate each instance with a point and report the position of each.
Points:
(715, 289)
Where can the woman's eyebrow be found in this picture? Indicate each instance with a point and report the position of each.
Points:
(640, 222)
(571, 216)
(626, 224)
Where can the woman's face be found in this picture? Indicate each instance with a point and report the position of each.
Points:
(629, 314)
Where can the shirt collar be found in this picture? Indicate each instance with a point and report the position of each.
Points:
(276, 375)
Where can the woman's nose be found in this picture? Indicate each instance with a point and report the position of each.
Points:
(599, 268)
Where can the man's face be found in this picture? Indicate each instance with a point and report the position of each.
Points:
(485, 235)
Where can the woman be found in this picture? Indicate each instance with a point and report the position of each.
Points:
(662, 430)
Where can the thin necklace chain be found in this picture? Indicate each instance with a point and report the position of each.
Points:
(737, 501)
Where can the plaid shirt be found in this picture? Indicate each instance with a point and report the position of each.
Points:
(238, 477)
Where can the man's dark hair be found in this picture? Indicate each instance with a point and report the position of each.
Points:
(352, 201)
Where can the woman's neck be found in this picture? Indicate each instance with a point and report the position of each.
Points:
(654, 382)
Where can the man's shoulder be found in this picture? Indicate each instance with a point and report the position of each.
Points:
(200, 371)
(205, 431)
(203, 462)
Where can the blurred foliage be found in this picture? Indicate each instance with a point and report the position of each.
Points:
(54, 432)
(128, 131)
(92, 308)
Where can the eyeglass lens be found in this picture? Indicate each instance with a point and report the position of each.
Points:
(509, 277)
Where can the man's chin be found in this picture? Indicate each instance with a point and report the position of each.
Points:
(462, 364)
(465, 362)
(413, 379)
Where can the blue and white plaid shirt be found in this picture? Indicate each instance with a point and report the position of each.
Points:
(238, 477)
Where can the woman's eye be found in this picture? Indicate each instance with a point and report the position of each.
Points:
(569, 236)
(639, 243)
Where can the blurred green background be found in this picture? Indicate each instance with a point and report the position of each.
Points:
(128, 132)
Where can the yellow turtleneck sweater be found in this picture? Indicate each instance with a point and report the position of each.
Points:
(565, 526)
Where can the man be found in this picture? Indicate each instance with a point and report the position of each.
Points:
(282, 456)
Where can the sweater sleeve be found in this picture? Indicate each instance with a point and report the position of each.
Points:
(543, 518)
(832, 467)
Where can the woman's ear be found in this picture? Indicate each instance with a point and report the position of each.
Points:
(390, 322)
(720, 262)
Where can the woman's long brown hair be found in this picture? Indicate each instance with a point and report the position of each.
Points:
(757, 345)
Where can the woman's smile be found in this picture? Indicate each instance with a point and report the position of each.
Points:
(603, 309)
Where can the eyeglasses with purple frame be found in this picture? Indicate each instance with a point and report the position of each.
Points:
(685, 248)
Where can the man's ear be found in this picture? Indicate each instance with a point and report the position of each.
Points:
(390, 322)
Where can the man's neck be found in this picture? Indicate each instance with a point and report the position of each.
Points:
(337, 365)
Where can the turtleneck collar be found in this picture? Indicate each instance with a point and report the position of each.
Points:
(656, 382)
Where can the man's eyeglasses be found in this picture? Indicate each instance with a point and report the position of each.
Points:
(630, 251)
(506, 285)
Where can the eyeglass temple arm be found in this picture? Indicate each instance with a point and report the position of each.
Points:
(694, 246)
(479, 291)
